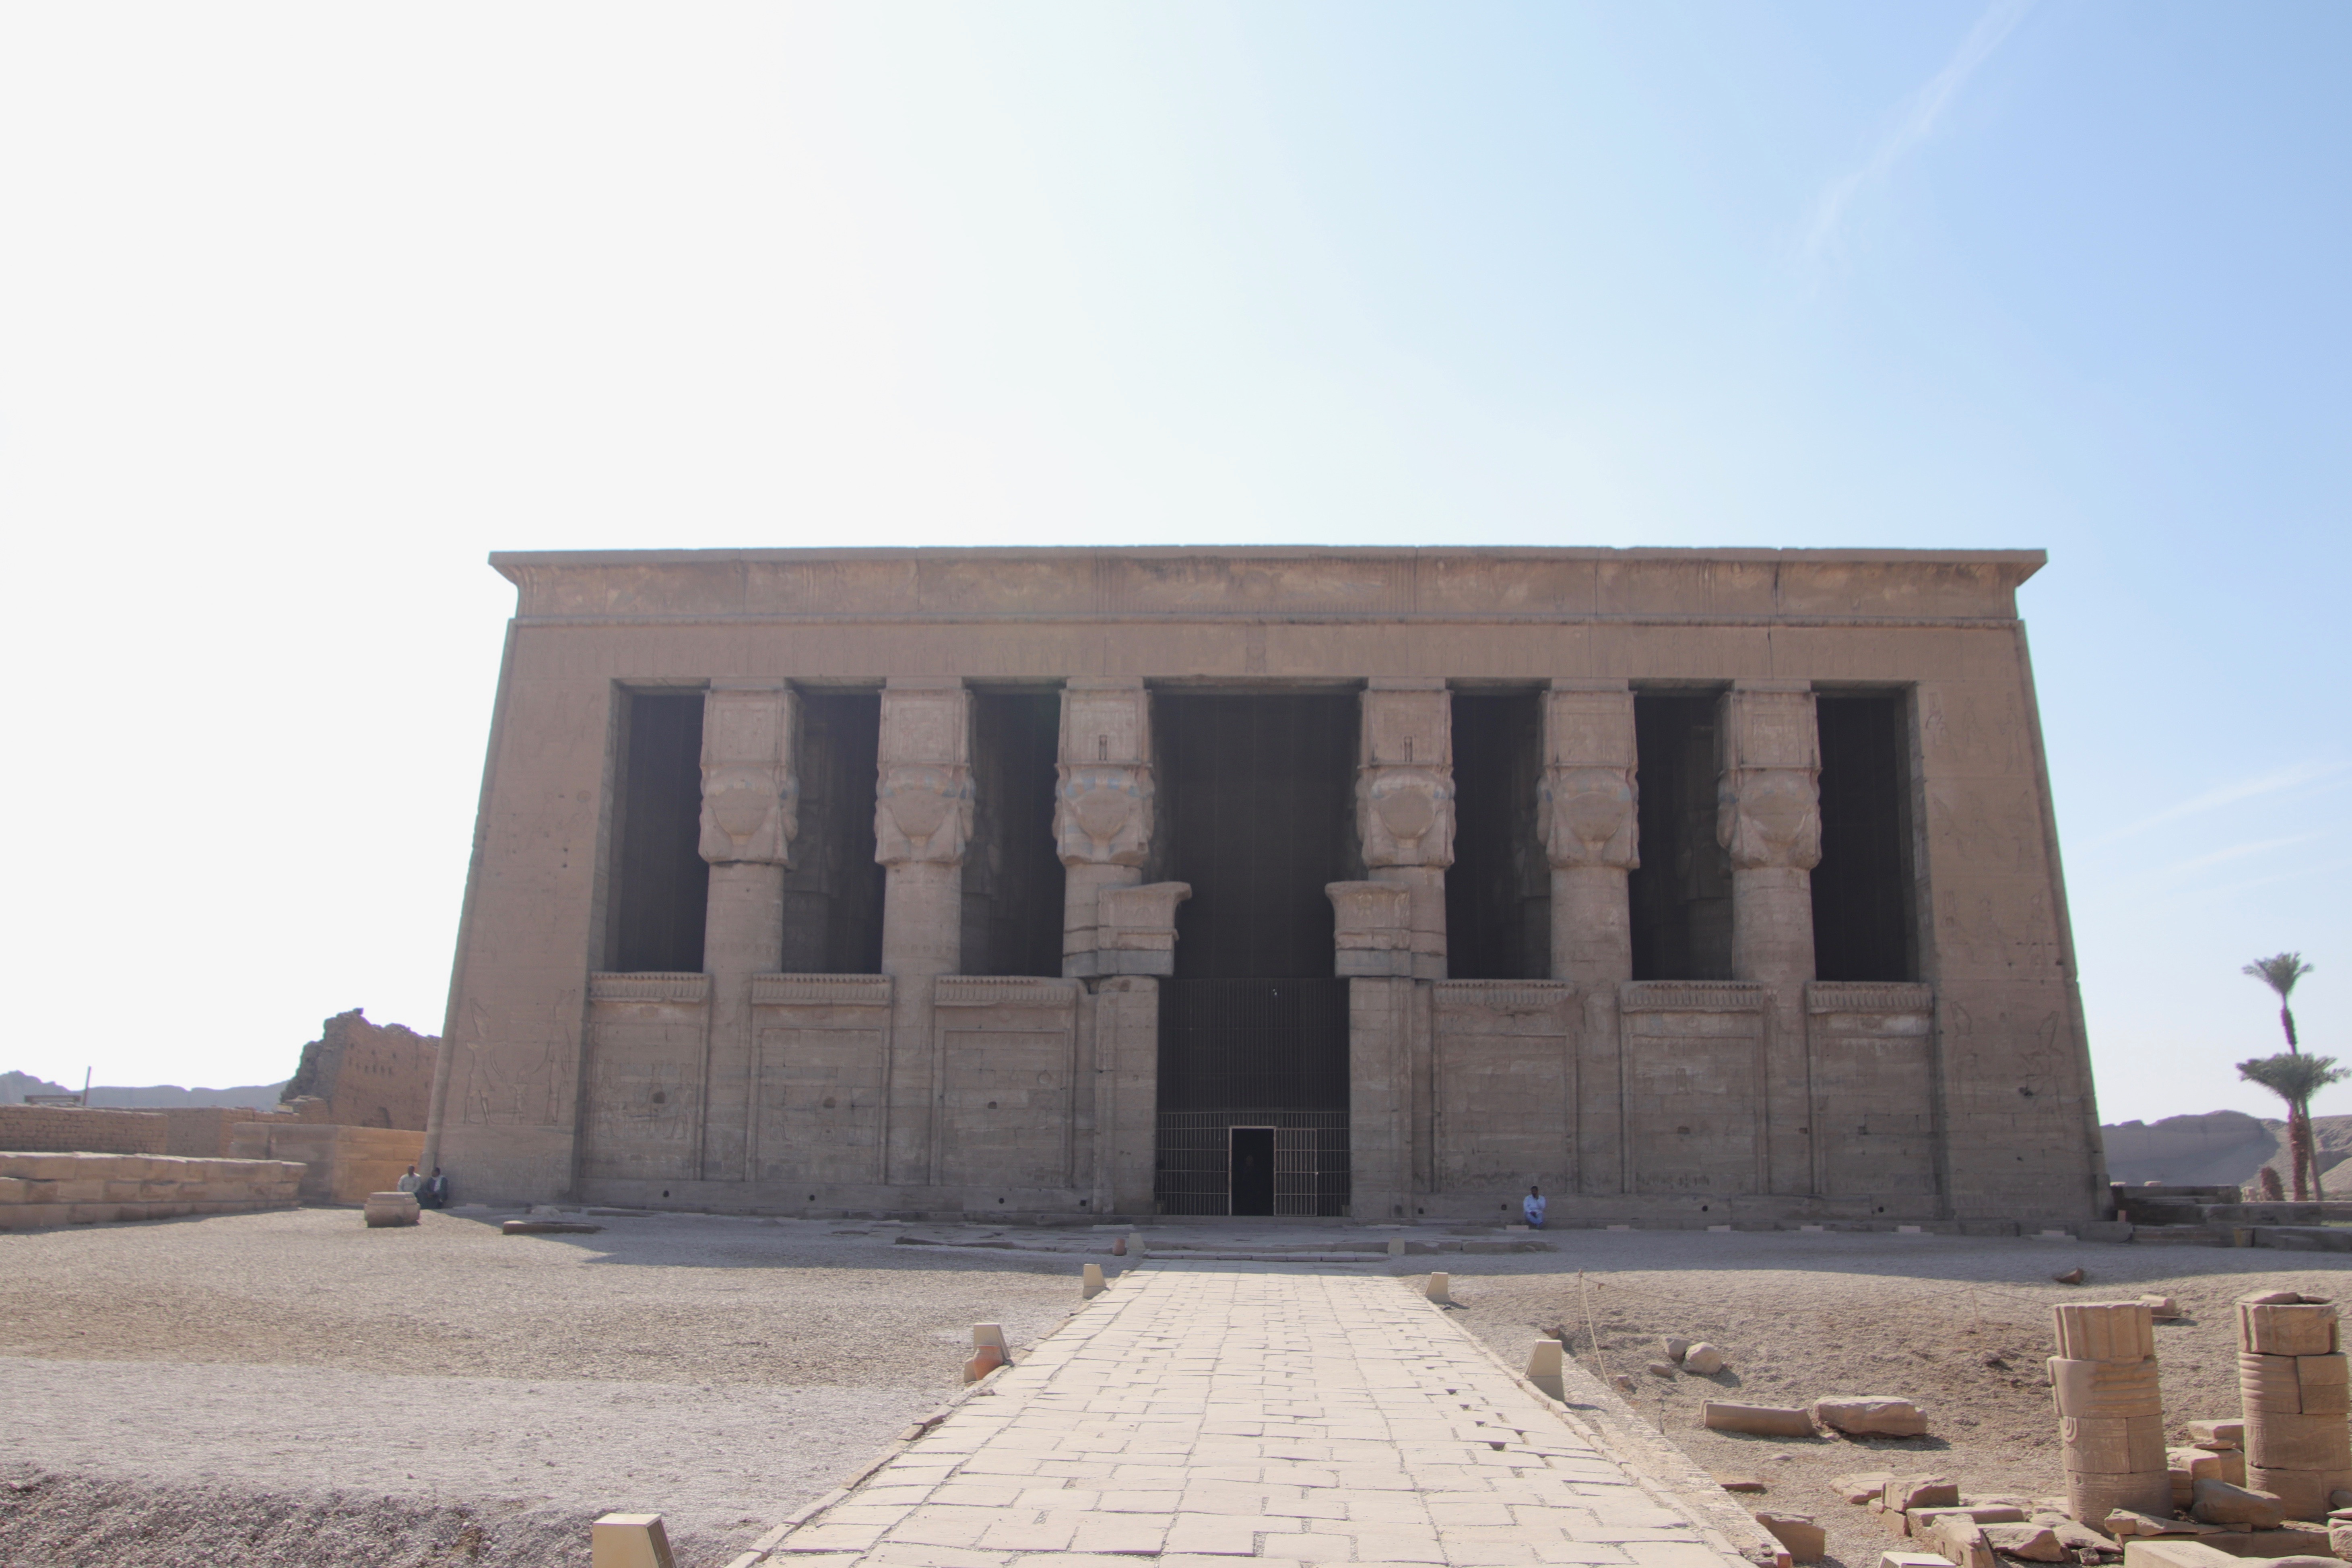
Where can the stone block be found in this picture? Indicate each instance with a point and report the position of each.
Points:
(2218, 1433)
(2174, 1551)
(1760, 1420)
(629, 1541)
(2218, 1502)
(2104, 1330)
(2277, 1441)
(2114, 1447)
(386, 1209)
(2275, 1328)
(1090, 1282)
(2106, 1390)
(1866, 1486)
(1960, 1539)
(1974, 1512)
(1911, 1560)
(1883, 1414)
(1903, 1493)
(1440, 1288)
(2033, 1542)
(1807, 1541)
(1702, 1360)
(2301, 1494)
(2094, 1495)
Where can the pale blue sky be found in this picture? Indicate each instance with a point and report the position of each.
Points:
(304, 308)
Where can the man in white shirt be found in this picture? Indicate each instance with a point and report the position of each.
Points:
(1533, 1204)
(411, 1182)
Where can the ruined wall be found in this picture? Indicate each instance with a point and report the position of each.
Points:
(369, 1075)
(38, 1191)
(67, 1129)
(340, 1164)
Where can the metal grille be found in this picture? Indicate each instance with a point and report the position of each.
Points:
(1262, 1044)
(1310, 1161)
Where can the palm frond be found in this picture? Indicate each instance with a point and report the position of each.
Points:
(2293, 1078)
(2279, 971)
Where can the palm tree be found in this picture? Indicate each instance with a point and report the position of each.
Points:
(2280, 971)
(2295, 1078)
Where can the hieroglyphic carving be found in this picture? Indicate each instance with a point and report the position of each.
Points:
(1405, 782)
(1769, 798)
(923, 803)
(1589, 793)
(751, 796)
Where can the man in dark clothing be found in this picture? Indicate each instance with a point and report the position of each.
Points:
(434, 1193)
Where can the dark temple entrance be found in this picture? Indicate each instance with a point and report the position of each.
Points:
(1256, 811)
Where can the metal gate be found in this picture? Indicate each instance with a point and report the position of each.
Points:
(1253, 1053)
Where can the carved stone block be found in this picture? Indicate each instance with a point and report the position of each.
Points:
(750, 793)
(1138, 928)
(1372, 927)
(1589, 793)
(1405, 782)
(1769, 805)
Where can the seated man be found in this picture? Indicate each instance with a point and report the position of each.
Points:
(1533, 1204)
(434, 1193)
(411, 1182)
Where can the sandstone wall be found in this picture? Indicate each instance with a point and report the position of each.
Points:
(367, 1075)
(66, 1130)
(1964, 1097)
(45, 1190)
(340, 1164)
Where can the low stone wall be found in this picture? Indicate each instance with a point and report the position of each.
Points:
(209, 1131)
(67, 1129)
(38, 1189)
(345, 1163)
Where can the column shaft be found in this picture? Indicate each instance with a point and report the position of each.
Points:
(922, 821)
(1769, 815)
(1102, 809)
(1591, 835)
(750, 815)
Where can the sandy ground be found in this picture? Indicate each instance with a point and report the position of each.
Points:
(721, 1372)
(293, 1388)
(1959, 1324)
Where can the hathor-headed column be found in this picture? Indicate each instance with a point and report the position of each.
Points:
(750, 813)
(922, 819)
(1586, 805)
(1102, 810)
(1769, 815)
(1405, 805)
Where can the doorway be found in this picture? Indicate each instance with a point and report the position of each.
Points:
(1253, 1171)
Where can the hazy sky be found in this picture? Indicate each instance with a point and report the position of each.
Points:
(305, 308)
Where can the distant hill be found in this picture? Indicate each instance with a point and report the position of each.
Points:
(15, 1086)
(2224, 1147)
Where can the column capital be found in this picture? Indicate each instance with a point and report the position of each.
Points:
(1103, 793)
(1588, 797)
(1768, 797)
(751, 795)
(922, 808)
(1404, 776)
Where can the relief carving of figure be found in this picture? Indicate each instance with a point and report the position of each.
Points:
(1770, 817)
(1102, 814)
(1588, 816)
(1405, 816)
(923, 812)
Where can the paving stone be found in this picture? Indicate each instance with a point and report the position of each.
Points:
(1201, 1413)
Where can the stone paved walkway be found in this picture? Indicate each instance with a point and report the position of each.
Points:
(1200, 1412)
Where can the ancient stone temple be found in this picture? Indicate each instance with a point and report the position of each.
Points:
(1693, 885)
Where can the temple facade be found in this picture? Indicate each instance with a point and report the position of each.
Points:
(1690, 886)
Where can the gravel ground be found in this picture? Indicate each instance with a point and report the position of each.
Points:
(1959, 1324)
(295, 1389)
(197, 1380)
